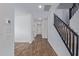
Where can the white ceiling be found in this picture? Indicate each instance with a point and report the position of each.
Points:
(33, 9)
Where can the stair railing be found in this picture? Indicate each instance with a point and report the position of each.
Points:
(69, 37)
(73, 10)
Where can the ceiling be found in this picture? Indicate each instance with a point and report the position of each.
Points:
(33, 9)
(36, 12)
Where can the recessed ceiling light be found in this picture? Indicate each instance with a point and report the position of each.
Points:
(40, 6)
(39, 18)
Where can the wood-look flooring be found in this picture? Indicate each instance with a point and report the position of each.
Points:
(19, 47)
(39, 47)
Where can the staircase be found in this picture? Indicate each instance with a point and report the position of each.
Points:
(69, 37)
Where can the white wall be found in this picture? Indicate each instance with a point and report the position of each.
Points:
(6, 30)
(74, 22)
(23, 31)
(53, 36)
(63, 14)
(45, 28)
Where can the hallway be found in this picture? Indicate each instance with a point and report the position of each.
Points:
(39, 29)
(35, 33)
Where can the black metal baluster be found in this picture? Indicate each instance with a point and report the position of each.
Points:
(70, 40)
(73, 45)
(67, 36)
(77, 46)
